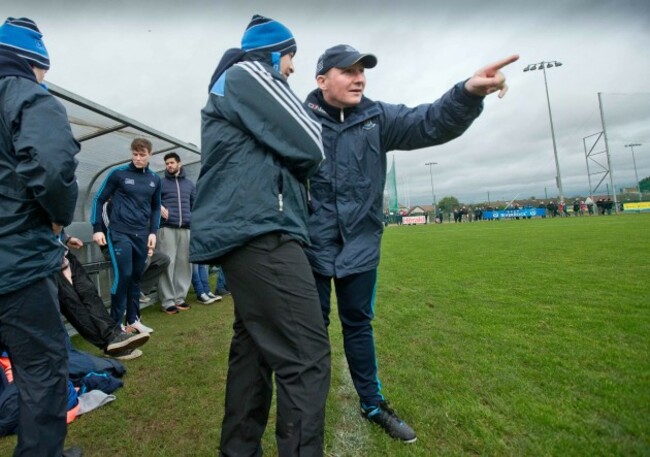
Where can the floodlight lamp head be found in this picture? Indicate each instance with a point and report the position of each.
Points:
(549, 65)
(558, 64)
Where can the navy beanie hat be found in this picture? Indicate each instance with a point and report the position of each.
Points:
(22, 37)
(264, 34)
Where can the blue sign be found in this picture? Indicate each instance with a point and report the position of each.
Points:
(514, 213)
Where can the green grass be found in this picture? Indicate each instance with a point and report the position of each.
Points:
(511, 338)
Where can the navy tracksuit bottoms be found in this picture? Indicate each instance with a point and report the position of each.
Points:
(128, 254)
(355, 295)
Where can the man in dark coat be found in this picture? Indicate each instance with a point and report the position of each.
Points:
(258, 148)
(38, 193)
(345, 226)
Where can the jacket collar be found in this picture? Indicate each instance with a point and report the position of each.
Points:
(13, 65)
(132, 167)
(180, 175)
(316, 102)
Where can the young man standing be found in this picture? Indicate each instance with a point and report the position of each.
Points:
(345, 225)
(38, 193)
(134, 191)
(259, 146)
(177, 196)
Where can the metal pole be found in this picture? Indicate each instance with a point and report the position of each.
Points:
(609, 162)
(636, 174)
(584, 143)
(550, 116)
(433, 192)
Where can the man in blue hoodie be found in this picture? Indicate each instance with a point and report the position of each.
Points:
(38, 193)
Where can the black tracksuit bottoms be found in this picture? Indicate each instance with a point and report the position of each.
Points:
(278, 329)
(84, 308)
(32, 333)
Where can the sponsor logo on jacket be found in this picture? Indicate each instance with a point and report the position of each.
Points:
(316, 107)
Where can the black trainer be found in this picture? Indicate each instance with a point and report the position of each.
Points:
(124, 340)
(387, 419)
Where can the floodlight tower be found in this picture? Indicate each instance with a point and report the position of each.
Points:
(433, 192)
(543, 66)
(636, 174)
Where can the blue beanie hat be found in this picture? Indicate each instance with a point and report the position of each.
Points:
(22, 37)
(264, 34)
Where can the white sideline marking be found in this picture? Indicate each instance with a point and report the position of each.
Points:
(350, 433)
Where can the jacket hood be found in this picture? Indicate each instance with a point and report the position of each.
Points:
(236, 55)
(13, 65)
(229, 58)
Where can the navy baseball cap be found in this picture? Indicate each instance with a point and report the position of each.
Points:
(343, 56)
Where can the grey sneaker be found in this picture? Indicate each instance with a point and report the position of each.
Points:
(127, 354)
(215, 297)
(124, 341)
(387, 419)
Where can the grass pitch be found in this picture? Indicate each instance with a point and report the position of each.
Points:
(510, 338)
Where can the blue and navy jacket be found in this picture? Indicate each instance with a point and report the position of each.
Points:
(258, 148)
(177, 196)
(135, 201)
(346, 217)
(37, 176)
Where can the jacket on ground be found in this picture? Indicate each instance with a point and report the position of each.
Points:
(346, 219)
(258, 147)
(37, 176)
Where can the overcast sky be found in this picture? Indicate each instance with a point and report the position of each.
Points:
(152, 60)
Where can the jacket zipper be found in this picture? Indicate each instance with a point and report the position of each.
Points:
(180, 210)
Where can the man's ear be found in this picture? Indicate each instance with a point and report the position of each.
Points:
(321, 80)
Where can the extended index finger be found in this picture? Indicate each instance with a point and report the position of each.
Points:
(499, 64)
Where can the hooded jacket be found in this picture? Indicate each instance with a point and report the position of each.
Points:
(37, 175)
(177, 196)
(346, 220)
(258, 147)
